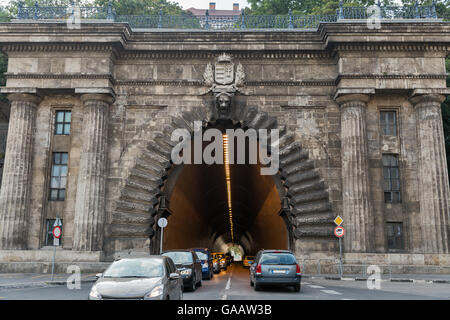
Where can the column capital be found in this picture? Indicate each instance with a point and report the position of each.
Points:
(353, 97)
(34, 98)
(418, 100)
(97, 97)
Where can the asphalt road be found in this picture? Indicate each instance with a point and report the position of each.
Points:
(234, 285)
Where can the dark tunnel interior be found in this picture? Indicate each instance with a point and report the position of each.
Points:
(199, 209)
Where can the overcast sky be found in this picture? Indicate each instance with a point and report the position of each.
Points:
(198, 4)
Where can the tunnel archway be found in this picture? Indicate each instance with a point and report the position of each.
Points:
(142, 199)
(199, 210)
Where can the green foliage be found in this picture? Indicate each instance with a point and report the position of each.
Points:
(305, 7)
(142, 7)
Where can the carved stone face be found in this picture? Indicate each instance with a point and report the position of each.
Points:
(224, 105)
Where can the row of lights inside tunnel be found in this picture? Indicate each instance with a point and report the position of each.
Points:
(226, 156)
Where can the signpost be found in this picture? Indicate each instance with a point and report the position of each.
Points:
(339, 232)
(57, 232)
(162, 223)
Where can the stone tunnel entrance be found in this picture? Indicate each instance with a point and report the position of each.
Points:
(199, 217)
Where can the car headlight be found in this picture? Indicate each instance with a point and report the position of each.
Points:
(215, 263)
(94, 293)
(222, 261)
(186, 272)
(156, 292)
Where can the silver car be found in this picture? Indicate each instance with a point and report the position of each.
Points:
(275, 267)
(149, 278)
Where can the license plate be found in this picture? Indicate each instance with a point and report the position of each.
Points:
(279, 271)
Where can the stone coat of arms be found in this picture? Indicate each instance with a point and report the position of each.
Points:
(224, 76)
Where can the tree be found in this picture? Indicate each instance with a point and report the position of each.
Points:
(142, 7)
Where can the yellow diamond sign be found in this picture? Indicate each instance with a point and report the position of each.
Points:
(338, 220)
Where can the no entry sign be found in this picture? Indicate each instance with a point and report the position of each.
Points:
(339, 232)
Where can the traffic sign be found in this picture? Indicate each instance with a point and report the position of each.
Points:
(57, 232)
(338, 220)
(339, 231)
(162, 223)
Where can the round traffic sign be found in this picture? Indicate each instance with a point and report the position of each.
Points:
(162, 223)
(57, 232)
(339, 232)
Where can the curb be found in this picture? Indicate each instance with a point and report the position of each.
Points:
(42, 284)
(405, 280)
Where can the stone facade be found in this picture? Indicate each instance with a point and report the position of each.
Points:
(324, 90)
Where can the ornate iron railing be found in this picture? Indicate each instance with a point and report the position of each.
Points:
(235, 22)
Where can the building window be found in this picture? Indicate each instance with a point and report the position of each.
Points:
(63, 119)
(388, 122)
(395, 235)
(391, 179)
(49, 233)
(59, 176)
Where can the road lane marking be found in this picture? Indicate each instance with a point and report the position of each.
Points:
(227, 287)
(331, 292)
(315, 287)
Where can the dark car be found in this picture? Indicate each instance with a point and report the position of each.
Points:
(149, 278)
(228, 258)
(189, 267)
(275, 267)
(207, 262)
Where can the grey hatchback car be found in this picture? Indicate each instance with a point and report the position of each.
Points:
(147, 278)
(275, 267)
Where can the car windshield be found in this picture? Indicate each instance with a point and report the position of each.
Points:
(277, 258)
(179, 257)
(135, 268)
(202, 255)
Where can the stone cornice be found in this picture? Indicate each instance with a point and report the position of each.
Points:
(57, 47)
(198, 83)
(237, 55)
(390, 77)
(391, 47)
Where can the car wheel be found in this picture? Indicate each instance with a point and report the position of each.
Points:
(297, 288)
(257, 287)
(200, 282)
(251, 283)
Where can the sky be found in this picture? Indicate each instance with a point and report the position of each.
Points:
(198, 4)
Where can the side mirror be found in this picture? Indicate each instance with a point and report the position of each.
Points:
(99, 275)
(174, 276)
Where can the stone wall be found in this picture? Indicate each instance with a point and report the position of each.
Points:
(324, 89)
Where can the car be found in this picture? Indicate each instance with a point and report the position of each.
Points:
(229, 259)
(188, 265)
(275, 267)
(220, 256)
(248, 261)
(146, 278)
(215, 263)
(207, 262)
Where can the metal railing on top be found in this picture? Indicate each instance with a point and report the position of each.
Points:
(232, 22)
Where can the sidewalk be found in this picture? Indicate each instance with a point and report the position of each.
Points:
(415, 278)
(31, 280)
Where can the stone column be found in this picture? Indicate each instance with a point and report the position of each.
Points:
(90, 198)
(434, 194)
(356, 205)
(15, 193)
